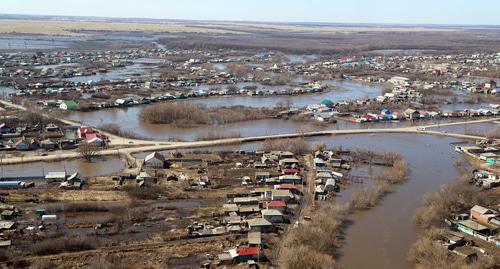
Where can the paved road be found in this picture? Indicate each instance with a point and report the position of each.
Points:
(128, 146)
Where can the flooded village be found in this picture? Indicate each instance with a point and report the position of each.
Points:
(193, 147)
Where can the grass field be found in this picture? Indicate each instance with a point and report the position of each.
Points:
(55, 27)
(324, 29)
(67, 27)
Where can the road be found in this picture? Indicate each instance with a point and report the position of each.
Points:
(126, 146)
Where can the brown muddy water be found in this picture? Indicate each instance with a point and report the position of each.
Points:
(100, 166)
(382, 237)
(128, 119)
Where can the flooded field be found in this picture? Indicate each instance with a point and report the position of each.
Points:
(129, 120)
(5, 91)
(137, 69)
(476, 128)
(343, 90)
(15, 42)
(103, 166)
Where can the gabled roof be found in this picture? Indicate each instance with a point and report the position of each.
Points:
(271, 212)
(154, 155)
(276, 204)
(482, 210)
(258, 222)
(247, 251)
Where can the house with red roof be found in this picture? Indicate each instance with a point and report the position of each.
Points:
(278, 205)
(290, 171)
(287, 186)
(244, 254)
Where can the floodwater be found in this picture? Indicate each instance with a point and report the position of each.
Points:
(476, 128)
(464, 106)
(140, 67)
(360, 177)
(128, 119)
(5, 91)
(382, 237)
(102, 166)
(19, 42)
(343, 90)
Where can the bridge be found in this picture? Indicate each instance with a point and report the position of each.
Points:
(125, 146)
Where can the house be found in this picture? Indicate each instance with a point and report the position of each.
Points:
(48, 144)
(146, 178)
(55, 176)
(330, 185)
(52, 128)
(229, 208)
(272, 215)
(7, 225)
(155, 160)
(259, 225)
(22, 144)
(290, 179)
(412, 114)
(255, 239)
(74, 182)
(290, 171)
(289, 162)
(262, 176)
(68, 144)
(319, 192)
(244, 254)
(68, 105)
(248, 209)
(282, 195)
(232, 220)
(287, 186)
(7, 214)
(5, 129)
(482, 214)
(318, 162)
(277, 205)
(284, 154)
(84, 130)
(471, 227)
(94, 139)
(246, 200)
(399, 81)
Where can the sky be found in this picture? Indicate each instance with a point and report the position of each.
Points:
(462, 12)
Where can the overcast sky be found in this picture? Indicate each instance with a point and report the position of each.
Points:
(486, 12)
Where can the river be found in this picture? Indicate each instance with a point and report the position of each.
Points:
(382, 237)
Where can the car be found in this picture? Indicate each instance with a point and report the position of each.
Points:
(421, 129)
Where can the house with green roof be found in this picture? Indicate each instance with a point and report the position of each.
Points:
(68, 105)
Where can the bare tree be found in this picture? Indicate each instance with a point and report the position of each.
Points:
(88, 151)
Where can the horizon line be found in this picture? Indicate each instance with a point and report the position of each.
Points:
(316, 23)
